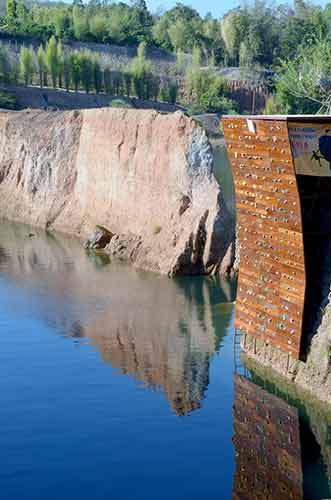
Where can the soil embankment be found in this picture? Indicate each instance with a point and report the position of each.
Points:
(33, 97)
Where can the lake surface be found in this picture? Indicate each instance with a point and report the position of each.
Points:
(123, 385)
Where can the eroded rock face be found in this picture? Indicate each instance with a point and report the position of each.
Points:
(147, 177)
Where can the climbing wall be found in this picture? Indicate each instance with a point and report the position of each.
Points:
(272, 281)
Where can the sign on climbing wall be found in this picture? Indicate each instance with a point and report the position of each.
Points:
(311, 148)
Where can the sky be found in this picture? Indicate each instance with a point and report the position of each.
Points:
(216, 7)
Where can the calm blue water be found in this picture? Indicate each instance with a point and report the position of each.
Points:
(117, 384)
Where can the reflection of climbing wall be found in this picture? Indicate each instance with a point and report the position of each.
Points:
(267, 445)
(271, 287)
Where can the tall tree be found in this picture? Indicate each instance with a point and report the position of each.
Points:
(99, 27)
(60, 60)
(234, 28)
(5, 66)
(52, 60)
(303, 84)
(41, 64)
(97, 74)
(66, 71)
(127, 82)
(11, 8)
(141, 73)
(62, 22)
(21, 11)
(107, 79)
(27, 64)
(86, 70)
(75, 70)
(80, 22)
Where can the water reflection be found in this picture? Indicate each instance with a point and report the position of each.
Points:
(164, 333)
(267, 444)
(160, 331)
(281, 453)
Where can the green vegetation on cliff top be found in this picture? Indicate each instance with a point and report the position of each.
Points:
(254, 35)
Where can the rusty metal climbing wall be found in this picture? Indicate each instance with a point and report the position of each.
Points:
(272, 280)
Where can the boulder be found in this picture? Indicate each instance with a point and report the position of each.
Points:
(98, 239)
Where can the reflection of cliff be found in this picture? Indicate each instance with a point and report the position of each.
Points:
(162, 332)
(267, 444)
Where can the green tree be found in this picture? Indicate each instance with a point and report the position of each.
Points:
(27, 64)
(62, 22)
(86, 70)
(161, 34)
(234, 28)
(178, 34)
(212, 41)
(245, 55)
(127, 82)
(272, 106)
(117, 82)
(180, 61)
(303, 84)
(107, 79)
(180, 28)
(196, 56)
(52, 59)
(21, 11)
(119, 24)
(41, 65)
(66, 71)
(173, 91)
(11, 9)
(15, 70)
(327, 18)
(155, 87)
(5, 66)
(7, 101)
(207, 91)
(60, 63)
(255, 34)
(99, 27)
(75, 69)
(97, 74)
(80, 22)
(141, 70)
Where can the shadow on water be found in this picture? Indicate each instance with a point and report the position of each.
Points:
(162, 332)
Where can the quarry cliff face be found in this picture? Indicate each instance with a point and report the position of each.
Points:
(145, 176)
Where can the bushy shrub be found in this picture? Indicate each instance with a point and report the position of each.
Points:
(206, 91)
(7, 101)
